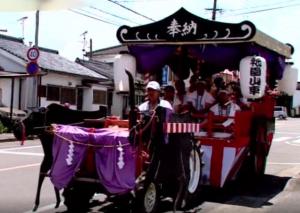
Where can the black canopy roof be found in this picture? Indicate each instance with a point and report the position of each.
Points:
(218, 45)
(184, 27)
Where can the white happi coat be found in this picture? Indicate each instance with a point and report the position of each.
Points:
(230, 110)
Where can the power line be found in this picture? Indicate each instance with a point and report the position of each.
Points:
(107, 22)
(264, 5)
(95, 15)
(137, 13)
(114, 15)
(264, 10)
(221, 11)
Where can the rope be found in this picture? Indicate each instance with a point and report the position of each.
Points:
(91, 145)
(150, 120)
(45, 127)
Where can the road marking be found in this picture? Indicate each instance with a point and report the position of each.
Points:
(277, 163)
(296, 141)
(279, 139)
(293, 142)
(45, 208)
(21, 148)
(21, 153)
(19, 167)
(292, 133)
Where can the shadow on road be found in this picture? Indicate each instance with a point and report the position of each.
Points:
(241, 193)
(248, 193)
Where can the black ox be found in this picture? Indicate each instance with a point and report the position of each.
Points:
(38, 123)
(164, 173)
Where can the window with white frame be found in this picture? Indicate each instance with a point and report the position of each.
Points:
(100, 97)
(53, 93)
(61, 94)
(68, 95)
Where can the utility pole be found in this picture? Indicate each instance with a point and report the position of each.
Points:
(37, 22)
(37, 79)
(214, 10)
(91, 49)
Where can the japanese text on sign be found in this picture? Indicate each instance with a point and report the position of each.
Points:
(255, 76)
(176, 28)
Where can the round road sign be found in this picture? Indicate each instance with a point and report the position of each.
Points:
(33, 53)
(32, 68)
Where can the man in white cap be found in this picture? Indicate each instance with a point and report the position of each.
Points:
(153, 93)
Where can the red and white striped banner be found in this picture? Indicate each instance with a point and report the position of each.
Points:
(182, 127)
(222, 158)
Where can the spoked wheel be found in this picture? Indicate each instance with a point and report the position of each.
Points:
(151, 198)
(194, 185)
(195, 171)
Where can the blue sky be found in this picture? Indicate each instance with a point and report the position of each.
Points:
(61, 29)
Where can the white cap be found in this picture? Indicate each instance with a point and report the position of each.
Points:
(153, 85)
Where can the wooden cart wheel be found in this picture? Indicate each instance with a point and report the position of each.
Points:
(194, 184)
(195, 162)
(151, 198)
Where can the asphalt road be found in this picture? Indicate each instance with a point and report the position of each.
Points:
(278, 191)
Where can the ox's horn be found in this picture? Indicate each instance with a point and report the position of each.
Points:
(132, 112)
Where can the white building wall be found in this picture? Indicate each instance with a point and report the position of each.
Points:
(12, 64)
(88, 98)
(30, 92)
(24, 94)
(105, 58)
(117, 105)
(87, 101)
(296, 98)
(116, 108)
(5, 85)
(59, 80)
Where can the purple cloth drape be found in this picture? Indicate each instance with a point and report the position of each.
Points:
(216, 57)
(114, 156)
(67, 156)
(151, 58)
(114, 175)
